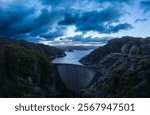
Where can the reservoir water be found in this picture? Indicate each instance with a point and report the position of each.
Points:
(72, 57)
(75, 75)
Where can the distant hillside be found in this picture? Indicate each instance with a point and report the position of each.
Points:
(124, 65)
(49, 51)
(26, 71)
(72, 48)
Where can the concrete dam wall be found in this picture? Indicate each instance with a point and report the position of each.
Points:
(75, 77)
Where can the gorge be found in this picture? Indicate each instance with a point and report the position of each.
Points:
(121, 68)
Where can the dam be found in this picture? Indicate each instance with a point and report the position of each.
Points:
(76, 77)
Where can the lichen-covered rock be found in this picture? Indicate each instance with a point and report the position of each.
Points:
(134, 50)
(126, 47)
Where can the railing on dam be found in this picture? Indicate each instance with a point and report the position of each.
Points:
(76, 77)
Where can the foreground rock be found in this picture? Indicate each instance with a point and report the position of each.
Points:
(26, 71)
(125, 68)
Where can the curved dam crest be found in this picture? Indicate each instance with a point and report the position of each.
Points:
(75, 77)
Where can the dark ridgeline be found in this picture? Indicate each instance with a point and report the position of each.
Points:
(125, 67)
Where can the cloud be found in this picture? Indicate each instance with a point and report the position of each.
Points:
(115, 1)
(56, 2)
(13, 18)
(145, 5)
(140, 20)
(118, 27)
(80, 38)
(100, 21)
(64, 2)
(49, 19)
(25, 22)
(55, 33)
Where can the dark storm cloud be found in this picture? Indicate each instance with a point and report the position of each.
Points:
(22, 19)
(64, 2)
(59, 31)
(56, 2)
(140, 20)
(117, 28)
(50, 36)
(45, 21)
(79, 38)
(12, 20)
(145, 5)
(100, 21)
(115, 1)
(24, 22)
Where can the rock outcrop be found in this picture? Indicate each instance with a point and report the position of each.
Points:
(113, 46)
(125, 68)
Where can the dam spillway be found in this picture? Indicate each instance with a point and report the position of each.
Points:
(75, 77)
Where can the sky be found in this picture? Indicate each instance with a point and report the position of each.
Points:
(73, 21)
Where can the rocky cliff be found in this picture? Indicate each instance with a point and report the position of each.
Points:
(113, 46)
(124, 64)
(26, 71)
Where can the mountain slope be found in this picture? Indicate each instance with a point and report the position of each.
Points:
(125, 71)
(113, 46)
(26, 71)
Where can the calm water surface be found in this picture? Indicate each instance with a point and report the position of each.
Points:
(72, 57)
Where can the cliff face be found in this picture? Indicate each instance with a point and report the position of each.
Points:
(26, 71)
(125, 69)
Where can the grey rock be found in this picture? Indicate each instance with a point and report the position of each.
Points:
(134, 50)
